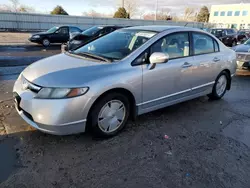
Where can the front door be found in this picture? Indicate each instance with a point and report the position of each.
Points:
(170, 81)
(61, 35)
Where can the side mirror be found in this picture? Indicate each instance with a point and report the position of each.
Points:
(158, 57)
(56, 31)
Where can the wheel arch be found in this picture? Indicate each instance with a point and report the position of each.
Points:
(125, 92)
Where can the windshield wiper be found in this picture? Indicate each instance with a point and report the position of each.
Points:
(94, 56)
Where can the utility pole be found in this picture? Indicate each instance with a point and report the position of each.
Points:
(122, 3)
(156, 9)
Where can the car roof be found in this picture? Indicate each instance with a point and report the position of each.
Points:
(160, 28)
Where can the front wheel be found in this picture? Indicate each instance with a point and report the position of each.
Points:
(46, 42)
(109, 115)
(220, 86)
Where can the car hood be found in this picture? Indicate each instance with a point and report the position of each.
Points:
(242, 48)
(40, 33)
(64, 71)
(80, 37)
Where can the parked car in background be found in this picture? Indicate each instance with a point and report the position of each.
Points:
(126, 73)
(227, 36)
(243, 35)
(243, 55)
(57, 34)
(88, 35)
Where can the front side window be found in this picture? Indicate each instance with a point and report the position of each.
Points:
(116, 45)
(229, 13)
(175, 45)
(203, 44)
(245, 13)
(216, 13)
(222, 13)
(236, 13)
(63, 31)
(52, 30)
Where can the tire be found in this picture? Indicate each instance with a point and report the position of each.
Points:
(106, 109)
(46, 42)
(219, 90)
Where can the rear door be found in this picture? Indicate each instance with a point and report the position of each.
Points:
(207, 61)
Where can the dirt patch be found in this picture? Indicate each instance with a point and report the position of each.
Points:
(8, 38)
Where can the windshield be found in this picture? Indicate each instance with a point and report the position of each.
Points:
(92, 31)
(116, 45)
(247, 42)
(52, 30)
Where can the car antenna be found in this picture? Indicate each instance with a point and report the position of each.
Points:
(185, 24)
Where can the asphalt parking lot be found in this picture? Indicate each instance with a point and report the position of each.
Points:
(199, 143)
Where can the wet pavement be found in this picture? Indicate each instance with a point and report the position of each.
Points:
(199, 143)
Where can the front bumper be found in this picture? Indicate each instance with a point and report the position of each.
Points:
(36, 40)
(243, 65)
(53, 116)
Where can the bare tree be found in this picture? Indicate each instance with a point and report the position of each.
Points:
(24, 8)
(15, 4)
(189, 14)
(16, 7)
(163, 14)
(93, 13)
(131, 7)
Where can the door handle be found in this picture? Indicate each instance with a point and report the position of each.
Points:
(186, 65)
(216, 59)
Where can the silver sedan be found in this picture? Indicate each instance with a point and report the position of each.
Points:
(129, 72)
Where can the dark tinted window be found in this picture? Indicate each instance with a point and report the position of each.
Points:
(202, 43)
(92, 31)
(63, 30)
(229, 31)
(175, 45)
(74, 30)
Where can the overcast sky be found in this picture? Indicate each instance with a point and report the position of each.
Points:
(76, 7)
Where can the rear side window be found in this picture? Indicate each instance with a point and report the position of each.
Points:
(203, 44)
(175, 45)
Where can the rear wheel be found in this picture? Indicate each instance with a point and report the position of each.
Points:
(109, 115)
(220, 86)
(46, 42)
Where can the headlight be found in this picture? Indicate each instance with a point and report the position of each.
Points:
(76, 42)
(36, 37)
(59, 93)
